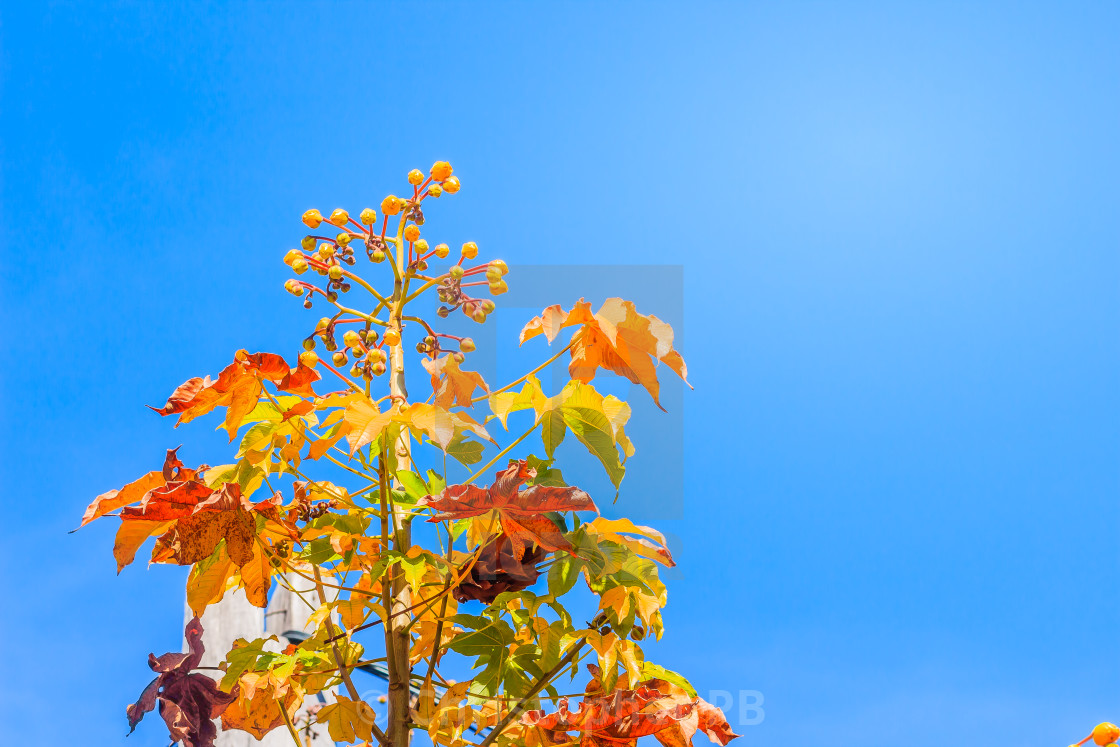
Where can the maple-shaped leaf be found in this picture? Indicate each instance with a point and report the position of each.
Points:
(191, 519)
(520, 512)
(260, 698)
(616, 337)
(188, 701)
(363, 423)
(653, 707)
(135, 490)
(237, 388)
(497, 570)
(348, 720)
(452, 385)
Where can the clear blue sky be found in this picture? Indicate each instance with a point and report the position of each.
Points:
(900, 238)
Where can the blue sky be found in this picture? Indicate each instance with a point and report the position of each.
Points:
(888, 233)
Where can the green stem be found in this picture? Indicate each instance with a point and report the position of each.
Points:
(536, 370)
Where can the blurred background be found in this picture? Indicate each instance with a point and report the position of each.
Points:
(888, 235)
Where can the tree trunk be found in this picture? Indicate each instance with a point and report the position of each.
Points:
(396, 636)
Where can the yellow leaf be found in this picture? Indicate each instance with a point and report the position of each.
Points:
(348, 720)
(651, 545)
(208, 580)
(364, 423)
(131, 536)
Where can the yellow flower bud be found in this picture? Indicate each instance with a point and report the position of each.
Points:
(435, 190)
(421, 246)
(368, 216)
(339, 217)
(442, 250)
(411, 232)
(415, 177)
(470, 250)
(451, 185)
(309, 358)
(313, 218)
(391, 205)
(441, 170)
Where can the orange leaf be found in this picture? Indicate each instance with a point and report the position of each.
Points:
(617, 338)
(238, 388)
(654, 707)
(453, 386)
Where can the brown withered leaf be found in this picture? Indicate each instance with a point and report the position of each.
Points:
(521, 512)
(653, 707)
(237, 388)
(188, 701)
(616, 337)
(452, 385)
(190, 520)
(498, 570)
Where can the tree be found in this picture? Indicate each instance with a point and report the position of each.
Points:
(443, 570)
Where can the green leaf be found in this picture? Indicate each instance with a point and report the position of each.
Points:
(594, 431)
(414, 486)
(546, 475)
(563, 574)
(494, 635)
(552, 431)
(465, 450)
(650, 670)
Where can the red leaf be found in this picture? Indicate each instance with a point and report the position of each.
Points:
(521, 513)
(653, 707)
(188, 701)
